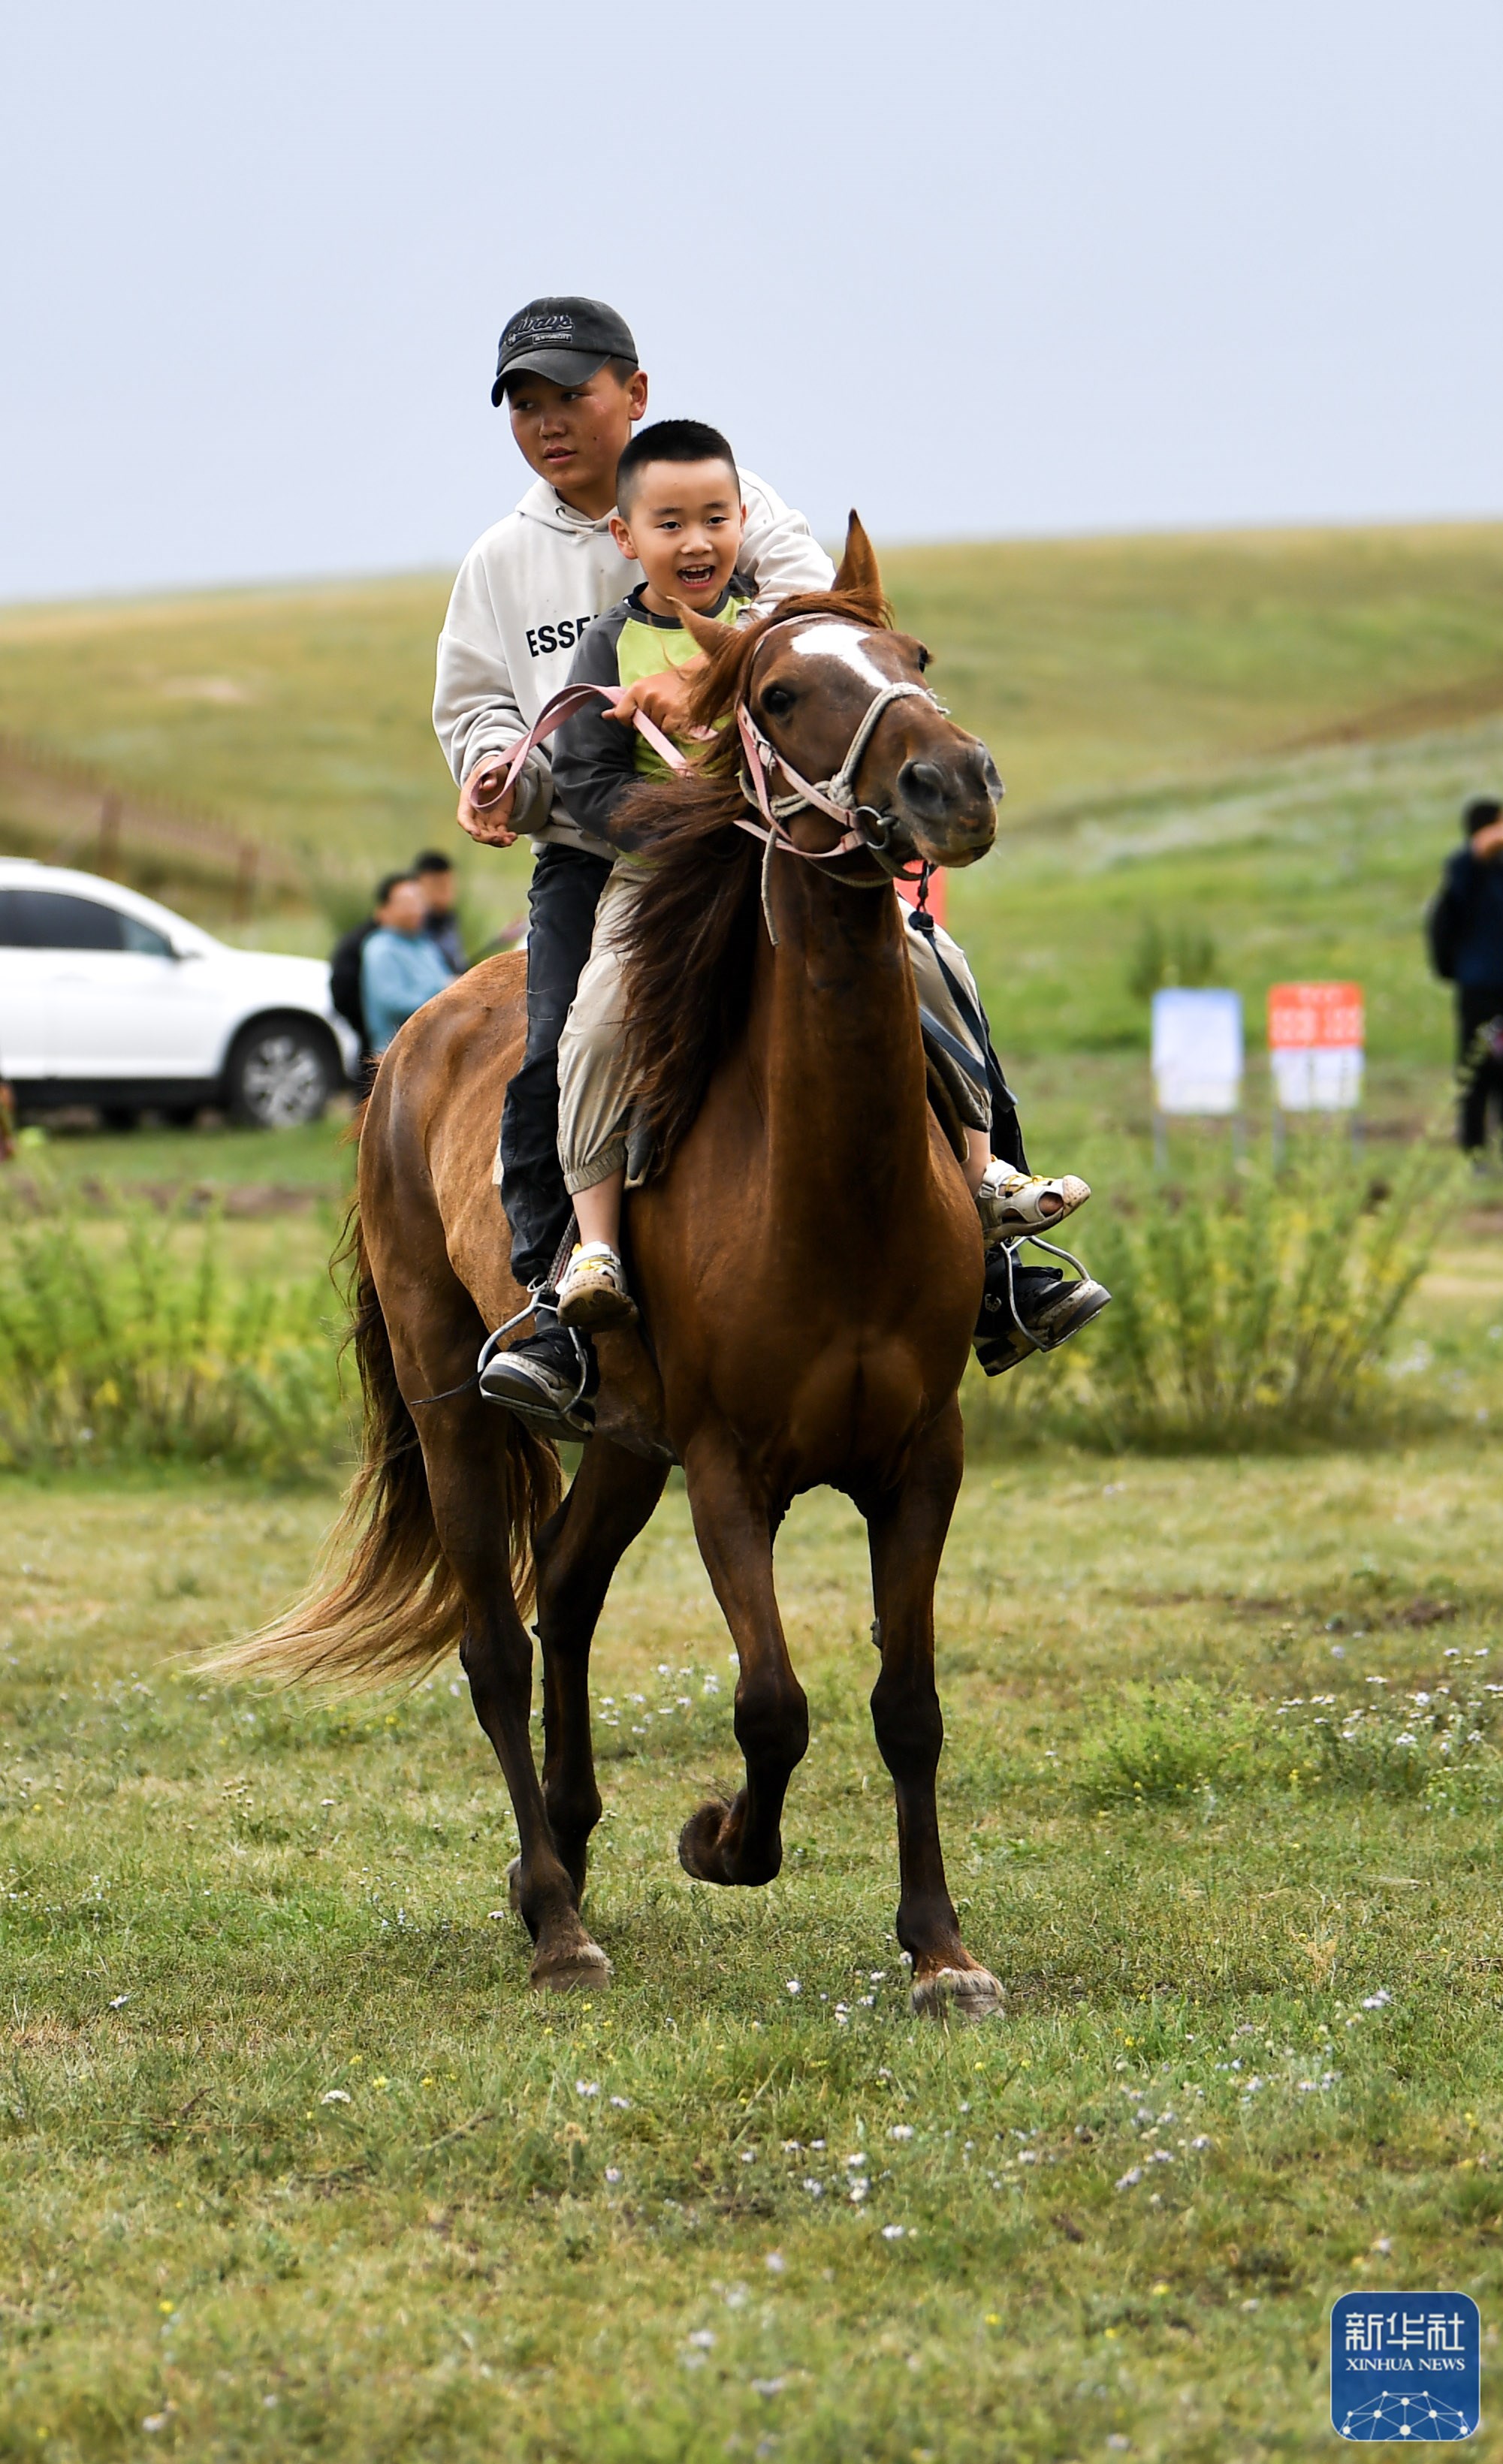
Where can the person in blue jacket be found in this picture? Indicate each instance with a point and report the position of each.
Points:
(1466, 933)
(401, 965)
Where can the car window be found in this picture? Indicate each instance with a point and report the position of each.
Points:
(14, 935)
(52, 919)
(144, 939)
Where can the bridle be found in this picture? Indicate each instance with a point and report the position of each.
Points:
(835, 797)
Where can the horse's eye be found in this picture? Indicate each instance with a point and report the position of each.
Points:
(776, 701)
(925, 659)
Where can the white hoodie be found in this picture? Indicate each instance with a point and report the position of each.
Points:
(524, 598)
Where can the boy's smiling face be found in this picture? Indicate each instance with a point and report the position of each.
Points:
(683, 525)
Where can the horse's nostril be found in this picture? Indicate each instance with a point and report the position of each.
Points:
(923, 786)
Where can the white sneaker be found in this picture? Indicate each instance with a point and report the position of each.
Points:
(593, 1292)
(1011, 1203)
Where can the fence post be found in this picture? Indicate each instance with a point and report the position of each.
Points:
(109, 835)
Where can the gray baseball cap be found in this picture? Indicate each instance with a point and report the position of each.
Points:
(565, 340)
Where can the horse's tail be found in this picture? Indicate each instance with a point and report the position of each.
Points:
(385, 1602)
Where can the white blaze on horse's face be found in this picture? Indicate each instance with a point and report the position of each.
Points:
(848, 642)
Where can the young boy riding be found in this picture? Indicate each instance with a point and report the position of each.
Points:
(682, 520)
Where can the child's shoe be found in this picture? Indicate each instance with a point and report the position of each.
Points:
(593, 1293)
(1012, 1205)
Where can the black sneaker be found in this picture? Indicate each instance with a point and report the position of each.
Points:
(551, 1380)
(1051, 1310)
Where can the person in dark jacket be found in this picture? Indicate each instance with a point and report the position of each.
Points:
(1466, 933)
(434, 876)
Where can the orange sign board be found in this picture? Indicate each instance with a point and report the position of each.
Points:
(1316, 1017)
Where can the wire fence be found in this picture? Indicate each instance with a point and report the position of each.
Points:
(64, 811)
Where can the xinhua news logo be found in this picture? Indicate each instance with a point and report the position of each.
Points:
(1405, 2366)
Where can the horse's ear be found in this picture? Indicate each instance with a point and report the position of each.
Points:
(707, 631)
(859, 576)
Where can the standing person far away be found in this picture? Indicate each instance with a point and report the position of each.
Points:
(434, 876)
(1466, 937)
(401, 966)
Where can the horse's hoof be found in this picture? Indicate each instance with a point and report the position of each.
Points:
(700, 1844)
(959, 1993)
(574, 1967)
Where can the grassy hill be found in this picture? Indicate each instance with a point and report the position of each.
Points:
(1267, 733)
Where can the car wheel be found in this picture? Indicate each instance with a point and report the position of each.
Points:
(281, 1074)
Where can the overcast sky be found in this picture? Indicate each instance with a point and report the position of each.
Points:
(1032, 265)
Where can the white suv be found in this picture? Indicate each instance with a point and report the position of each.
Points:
(108, 998)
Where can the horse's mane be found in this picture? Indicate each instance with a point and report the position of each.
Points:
(689, 945)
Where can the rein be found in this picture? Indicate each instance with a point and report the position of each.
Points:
(834, 797)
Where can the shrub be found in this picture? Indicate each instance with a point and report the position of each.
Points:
(1184, 953)
(149, 1353)
(1167, 1745)
(1264, 1307)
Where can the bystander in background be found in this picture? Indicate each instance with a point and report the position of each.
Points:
(1466, 937)
(401, 965)
(435, 877)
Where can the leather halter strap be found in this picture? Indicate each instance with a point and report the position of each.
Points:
(834, 797)
(567, 704)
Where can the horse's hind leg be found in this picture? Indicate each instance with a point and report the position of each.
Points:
(578, 1550)
(465, 1451)
(742, 1842)
(907, 1534)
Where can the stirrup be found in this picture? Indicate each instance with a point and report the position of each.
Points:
(1009, 1250)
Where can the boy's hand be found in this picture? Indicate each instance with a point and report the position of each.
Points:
(488, 819)
(664, 698)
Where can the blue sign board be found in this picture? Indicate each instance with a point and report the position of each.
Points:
(1405, 2366)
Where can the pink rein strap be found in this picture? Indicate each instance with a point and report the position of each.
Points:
(567, 704)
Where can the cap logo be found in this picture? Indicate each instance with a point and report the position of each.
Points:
(538, 329)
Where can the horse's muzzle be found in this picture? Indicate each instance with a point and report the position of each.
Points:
(948, 801)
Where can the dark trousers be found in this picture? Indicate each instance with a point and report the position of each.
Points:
(566, 890)
(1481, 1072)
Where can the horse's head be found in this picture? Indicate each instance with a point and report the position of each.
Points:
(818, 679)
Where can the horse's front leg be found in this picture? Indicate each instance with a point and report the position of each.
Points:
(742, 1842)
(906, 1532)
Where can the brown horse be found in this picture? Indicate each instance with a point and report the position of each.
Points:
(807, 1258)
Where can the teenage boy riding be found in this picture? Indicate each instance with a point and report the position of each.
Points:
(526, 596)
(529, 594)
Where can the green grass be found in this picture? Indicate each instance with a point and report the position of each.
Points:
(1092, 666)
(226, 1913)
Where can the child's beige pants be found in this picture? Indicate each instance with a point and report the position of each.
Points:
(594, 1084)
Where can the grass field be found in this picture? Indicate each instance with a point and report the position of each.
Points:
(1096, 668)
(292, 2163)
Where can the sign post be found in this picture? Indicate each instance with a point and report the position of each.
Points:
(1317, 1038)
(1197, 1060)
